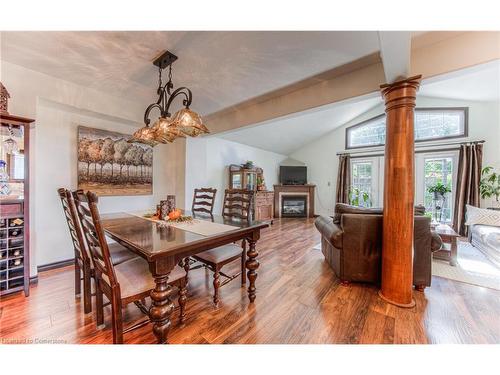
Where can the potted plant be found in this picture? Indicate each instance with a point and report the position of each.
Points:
(261, 184)
(359, 198)
(489, 186)
(248, 164)
(439, 190)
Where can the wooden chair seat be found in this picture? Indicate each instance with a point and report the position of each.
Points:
(125, 283)
(237, 206)
(221, 254)
(135, 278)
(119, 253)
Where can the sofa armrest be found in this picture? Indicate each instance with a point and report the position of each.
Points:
(436, 242)
(329, 230)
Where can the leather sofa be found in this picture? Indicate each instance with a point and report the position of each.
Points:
(351, 242)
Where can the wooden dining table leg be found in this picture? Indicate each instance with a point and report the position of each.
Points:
(162, 307)
(252, 264)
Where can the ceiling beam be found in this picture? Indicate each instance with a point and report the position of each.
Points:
(395, 50)
(432, 54)
(357, 78)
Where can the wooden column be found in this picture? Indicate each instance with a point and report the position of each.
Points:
(399, 191)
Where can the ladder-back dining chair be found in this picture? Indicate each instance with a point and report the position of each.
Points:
(203, 200)
(84, 269)
(237, 206)
(125, 283)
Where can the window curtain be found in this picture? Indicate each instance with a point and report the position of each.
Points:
(343, 179)
(468, 177)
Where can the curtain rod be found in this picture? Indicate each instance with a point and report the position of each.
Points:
(416, 147)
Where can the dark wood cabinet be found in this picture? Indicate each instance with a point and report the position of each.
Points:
(264, 205)
(15, 221)
(253, 179)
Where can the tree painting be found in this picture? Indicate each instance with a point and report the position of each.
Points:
(109, 165)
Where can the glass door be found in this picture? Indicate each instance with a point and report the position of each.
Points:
(250, 180)
(431, 169)
(236, 181)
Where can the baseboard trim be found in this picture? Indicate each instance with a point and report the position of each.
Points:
(33, 280)
(52, 266)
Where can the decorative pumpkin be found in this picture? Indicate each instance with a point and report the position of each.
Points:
(175, 214)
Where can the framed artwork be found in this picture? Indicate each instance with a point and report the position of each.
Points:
(109, 165)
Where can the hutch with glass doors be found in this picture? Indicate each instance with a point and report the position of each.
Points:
(252, 178)
(14, 204)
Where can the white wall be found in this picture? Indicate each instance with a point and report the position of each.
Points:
(207, 161)
(322, 161)
(59, 107)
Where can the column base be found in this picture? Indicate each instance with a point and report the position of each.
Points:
(405, 305)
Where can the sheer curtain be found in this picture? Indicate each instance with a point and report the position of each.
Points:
(468, 177)
(343, 179)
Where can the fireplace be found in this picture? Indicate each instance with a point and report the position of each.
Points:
(302, 197)
(293, 206)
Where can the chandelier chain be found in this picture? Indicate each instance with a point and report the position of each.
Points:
(159, 77)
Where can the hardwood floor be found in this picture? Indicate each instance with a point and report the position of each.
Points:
(299, 300)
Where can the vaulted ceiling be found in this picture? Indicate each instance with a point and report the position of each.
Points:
(289, 133)
(221, 68)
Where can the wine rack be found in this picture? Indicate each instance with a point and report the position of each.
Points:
(13, 271)
(15, 219)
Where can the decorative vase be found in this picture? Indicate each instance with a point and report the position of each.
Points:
(167, 206)
(164, 210)
(171, 203)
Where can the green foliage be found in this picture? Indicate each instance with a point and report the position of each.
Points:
(356, 197)
(439, 188)
(248, 164)
(489, 185)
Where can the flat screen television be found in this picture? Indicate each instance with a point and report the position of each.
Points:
(293, 175)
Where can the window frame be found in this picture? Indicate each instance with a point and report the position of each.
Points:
(347, 147)
(377, 177)
(420, 175)
(465, 133)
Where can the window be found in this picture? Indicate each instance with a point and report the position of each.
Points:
(440, 123)
(365, 179)
(430, 124)
(366, 134)
(432, 169)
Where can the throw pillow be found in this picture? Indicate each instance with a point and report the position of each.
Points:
(482, 216)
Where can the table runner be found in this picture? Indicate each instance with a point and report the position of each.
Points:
(201, 227)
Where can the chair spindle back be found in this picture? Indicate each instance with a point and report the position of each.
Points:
(238, 204)
(86, 205)
(203, 200)
(75, 229)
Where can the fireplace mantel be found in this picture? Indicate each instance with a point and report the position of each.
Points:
(304, 190)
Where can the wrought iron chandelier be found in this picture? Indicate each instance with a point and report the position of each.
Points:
(168, 128)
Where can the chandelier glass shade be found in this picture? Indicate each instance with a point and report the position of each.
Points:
(167, 128)
(166, 131)
(144, 135)
(189, 122)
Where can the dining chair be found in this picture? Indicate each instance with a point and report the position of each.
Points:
(237, 206)
(125, 283)
(203, 200)
(84, 269)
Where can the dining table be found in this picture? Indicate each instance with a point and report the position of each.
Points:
(163, 246)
